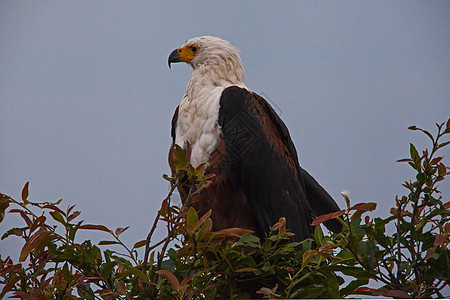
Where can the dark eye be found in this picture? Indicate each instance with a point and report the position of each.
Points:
(194, 49)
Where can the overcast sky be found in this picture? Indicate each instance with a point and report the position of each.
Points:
(86, 97)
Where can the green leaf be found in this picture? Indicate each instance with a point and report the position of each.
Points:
(192, 217)
(58, 217)
(307, 256)
(414, 156)
(108, 243)
(179, 157)
(140, 244)
(352, 286)
(318, 235)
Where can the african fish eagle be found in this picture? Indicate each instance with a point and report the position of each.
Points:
(245, 144)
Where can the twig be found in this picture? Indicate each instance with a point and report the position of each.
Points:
(152, 230)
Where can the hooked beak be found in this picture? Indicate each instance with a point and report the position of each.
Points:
(174, 57)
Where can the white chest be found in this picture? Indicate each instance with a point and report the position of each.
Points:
(198, 125)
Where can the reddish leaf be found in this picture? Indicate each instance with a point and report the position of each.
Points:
(37, 222)
(384, 292)
(189, 278)
(171, 222)
(447, 205)
(172, 279)
(231, 232)
(35, 240)
(73, 216)
(326, 254)
(25, 192)
(441, 169)
(95, 227)
(204, 217)
(430, 252)
(120, 230)
(436, 160)
(164, 207)
(326, 247)
(10, 268)
(405, 160)
(393, 293)
(50, 206)
(364, 206)
(440, 239)
(326, 217)
(25, 217)
(70, 208)
(24, 296)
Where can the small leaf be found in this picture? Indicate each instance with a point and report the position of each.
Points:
(247, 269)
(95, 227)
(25, 192)
(140, 244)
(73, 216)
(55, 208)
(442, 170)
(70, 208)
(172, 279)
(405, 160)
(192, 217)
(444, 144)
(326, 217)
(204, 217)
(440, 239)
(436, 160)
(307, 256)
(120, 230)
(230, 232)
(25, 217)
(164, 208)
(369, 206)
(35, 240)
(414, 154)
(4, 203)
(58, 217)
(392, 293)
(179, 157)
(108, 243)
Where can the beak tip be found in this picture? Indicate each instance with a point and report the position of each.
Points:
(173, 57)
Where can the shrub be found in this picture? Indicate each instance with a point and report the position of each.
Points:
(412, 261)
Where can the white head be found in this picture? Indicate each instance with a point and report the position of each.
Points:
(211, 57)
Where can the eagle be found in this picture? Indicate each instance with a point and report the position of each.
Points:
(246, 145)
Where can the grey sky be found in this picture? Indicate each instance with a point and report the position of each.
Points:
(86, 97)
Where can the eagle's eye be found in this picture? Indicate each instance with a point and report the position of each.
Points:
(194, 49)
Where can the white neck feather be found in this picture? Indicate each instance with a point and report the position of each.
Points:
(198, 113)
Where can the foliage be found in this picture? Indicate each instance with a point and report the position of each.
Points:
(413, 261)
